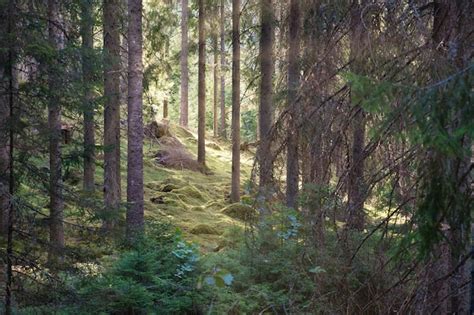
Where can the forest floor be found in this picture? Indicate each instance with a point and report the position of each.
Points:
(193, 201)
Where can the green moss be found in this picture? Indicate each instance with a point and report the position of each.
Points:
(205, 229)
(215, 205)
(190, 192)
(191, 199)
(240, 211)
(197, 208)
(213, 146)
(181, 132)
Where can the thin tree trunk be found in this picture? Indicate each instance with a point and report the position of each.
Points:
(202, 86)
(216, 81)
(223, 126)
(112, 185)
(183, 118)
(165, 108)
(135, 221)
(292, 168)
(87, 25)
(356, 191)
(56, 204)
(266, 93)
(235, 191)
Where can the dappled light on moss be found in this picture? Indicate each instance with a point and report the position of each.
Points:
(192, 200)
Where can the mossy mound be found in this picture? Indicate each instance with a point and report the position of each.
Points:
(181, 132)
(156, 130)
(204, 229)
(214, 146)
(215, 205)
(190, 192)
(167, 185)
(240, 212)
(193, 200)
(191, 140)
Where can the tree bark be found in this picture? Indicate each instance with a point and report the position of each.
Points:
(87, 25)
(223, 127)
(292, 167)
(183, 118)
(135, 220)
(165, 108)
(216, 81)
(8, 82)
(356, 191)
(266, 93)
(202, 86)
(112, 184)
(56, 204)
(5, 119)
(235, 190)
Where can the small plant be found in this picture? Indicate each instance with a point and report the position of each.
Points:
(159, 273)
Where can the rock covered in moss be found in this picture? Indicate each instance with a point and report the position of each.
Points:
(204, 229)
(240, 211)
(182, 132)
(157, 130)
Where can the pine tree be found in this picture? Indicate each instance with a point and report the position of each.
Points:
(223, 129)
(201, 157)
(266, 93)
(183, 118)
(56, 203)
(292, 169)
(235, 193)
(87, 28)
(112, 184)
(135, 211)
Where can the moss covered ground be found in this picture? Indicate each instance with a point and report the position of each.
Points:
(195, 202)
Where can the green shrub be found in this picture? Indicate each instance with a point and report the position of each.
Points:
(157, 276)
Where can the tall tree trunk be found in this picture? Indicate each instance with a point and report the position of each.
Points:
(4, 121)
(202, 86)
(183, 118)
(56, 204)
(123, 83)
(292, 169)
(8, 82)
(135, 221)
(235, 191)
(87, 25)
(223, 127)
(266, 93)
(216, 81)
(356, 191)
(112, 185)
